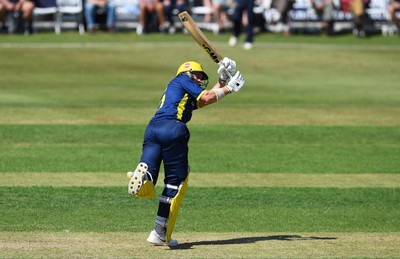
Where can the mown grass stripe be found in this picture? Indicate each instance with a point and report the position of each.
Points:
(197, 179)
(104, 209)
(261, 116)
(255, 149)
(177, 43)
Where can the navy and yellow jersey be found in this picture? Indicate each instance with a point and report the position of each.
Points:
(180, 98)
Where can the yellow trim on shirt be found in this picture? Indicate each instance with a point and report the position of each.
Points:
(161, 104)
(199, 97)
(181, 106)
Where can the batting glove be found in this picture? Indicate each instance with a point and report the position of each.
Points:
(236, 83)
(227, 68)
(230, 65)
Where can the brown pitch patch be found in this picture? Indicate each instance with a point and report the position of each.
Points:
(200, 245)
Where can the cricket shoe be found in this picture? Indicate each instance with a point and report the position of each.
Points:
(157, 240)
(137, 178)
(233, 41)
(139, 30)
(248, 45)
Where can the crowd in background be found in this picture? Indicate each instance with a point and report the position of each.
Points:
(158, 15)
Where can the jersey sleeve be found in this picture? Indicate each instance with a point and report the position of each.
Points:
(198, 99)
(192, 88)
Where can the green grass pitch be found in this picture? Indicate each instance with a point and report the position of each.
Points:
(323, 112)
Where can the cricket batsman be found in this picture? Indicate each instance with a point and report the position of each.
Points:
(166, 140)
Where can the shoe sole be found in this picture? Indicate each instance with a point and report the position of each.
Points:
(156, 243)
(136, 181)
(155, 240)
(161, 243)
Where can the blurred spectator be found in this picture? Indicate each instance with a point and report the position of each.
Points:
(219, 8)
(100, 6)
(132, 7)
(283, 7)
(148, 10)
(324, 10)
(241, 7)
(168, 8)
(394, 7)
(207, 16)
(356, 7)
(18, 14)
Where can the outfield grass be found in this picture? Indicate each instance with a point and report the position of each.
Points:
(302, 163)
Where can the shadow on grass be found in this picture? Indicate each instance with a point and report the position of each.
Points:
(246, 240)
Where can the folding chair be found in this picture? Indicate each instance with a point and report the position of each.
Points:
(70, 9)
(379, 16)
(125, 16)
(45, 8)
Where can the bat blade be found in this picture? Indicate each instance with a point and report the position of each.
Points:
(199, 36)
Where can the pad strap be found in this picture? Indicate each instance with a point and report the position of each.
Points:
(165, 199)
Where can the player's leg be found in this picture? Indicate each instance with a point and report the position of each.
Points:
(237, 25)
(168, 210)
(141, 182)
(249, 27)
(175, 205)
(143, 179)
(175, 157)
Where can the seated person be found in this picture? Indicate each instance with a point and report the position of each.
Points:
(147, 9)
(283, 7)
(19, 8)
(92, 6)
(132, 7)
(168, 7)
(220, 8)
(324, 10)
(356, 7)
(208, 4)
(393, 8)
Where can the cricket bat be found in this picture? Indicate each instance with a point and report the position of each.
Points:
(199, 36)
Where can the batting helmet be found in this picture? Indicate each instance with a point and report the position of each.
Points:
(192, 66)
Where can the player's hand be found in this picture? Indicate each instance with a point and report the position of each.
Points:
(236, 83)
(230, 65)
(227, 68)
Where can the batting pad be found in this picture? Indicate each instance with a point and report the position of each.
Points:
(174, 209)
(147, 190)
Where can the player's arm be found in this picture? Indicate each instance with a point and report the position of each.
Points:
(214, 94)
(219, 90)
(229, 81)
